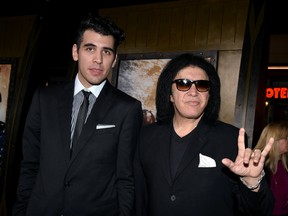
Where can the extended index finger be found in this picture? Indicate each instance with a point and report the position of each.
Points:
(241, 142)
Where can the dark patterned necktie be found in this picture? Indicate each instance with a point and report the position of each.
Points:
(82, 114)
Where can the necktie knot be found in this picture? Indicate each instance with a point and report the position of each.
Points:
(86, 94)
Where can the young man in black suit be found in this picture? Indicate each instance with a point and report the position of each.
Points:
(94, 174)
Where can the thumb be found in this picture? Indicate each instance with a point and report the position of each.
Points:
(227, 162)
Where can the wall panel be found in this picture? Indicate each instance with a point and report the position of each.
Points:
(229, 24)
(189, 29)
(164, 30)
(189, 25)
(177, 22)
(142, 30)
(131, 30)
(152, 29)
(215, 25)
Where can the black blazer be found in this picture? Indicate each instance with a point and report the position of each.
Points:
(98, 179)
(197, 191)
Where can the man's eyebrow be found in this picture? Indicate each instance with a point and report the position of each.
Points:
(108, 48)
(93, 45)
(89, 44)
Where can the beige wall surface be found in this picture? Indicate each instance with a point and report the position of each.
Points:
(228, 70)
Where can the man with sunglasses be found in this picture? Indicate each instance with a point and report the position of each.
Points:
(189, 162)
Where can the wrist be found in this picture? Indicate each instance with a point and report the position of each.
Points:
(253, 186)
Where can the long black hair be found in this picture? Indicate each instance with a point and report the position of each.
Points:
(164, 107)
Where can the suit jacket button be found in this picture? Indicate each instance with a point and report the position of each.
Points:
(173, 198)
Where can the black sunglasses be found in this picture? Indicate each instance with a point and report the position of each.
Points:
(185, 84)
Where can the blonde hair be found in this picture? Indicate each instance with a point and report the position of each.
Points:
(278, 130)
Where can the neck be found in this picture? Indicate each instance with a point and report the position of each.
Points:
(183, 127)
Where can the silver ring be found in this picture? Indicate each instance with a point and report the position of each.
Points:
(257, 150)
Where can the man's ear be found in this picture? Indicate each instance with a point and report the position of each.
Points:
(171, 98)
(75, 52)
(115, 61)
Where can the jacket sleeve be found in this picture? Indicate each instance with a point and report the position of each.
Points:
(30, 163)
(126, 150)
(259, 203)
(140, 186)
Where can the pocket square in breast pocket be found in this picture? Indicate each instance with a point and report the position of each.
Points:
(205, 161)
(104, 126)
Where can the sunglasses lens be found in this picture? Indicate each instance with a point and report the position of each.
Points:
(202, 85)
(183, 85)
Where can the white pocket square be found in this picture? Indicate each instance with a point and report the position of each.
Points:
(205, 161)
(103, 126)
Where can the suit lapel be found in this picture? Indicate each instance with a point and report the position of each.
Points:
(165, 146)
(65, 114)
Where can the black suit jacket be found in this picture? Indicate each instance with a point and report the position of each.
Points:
(98, 179)
(197, 189)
